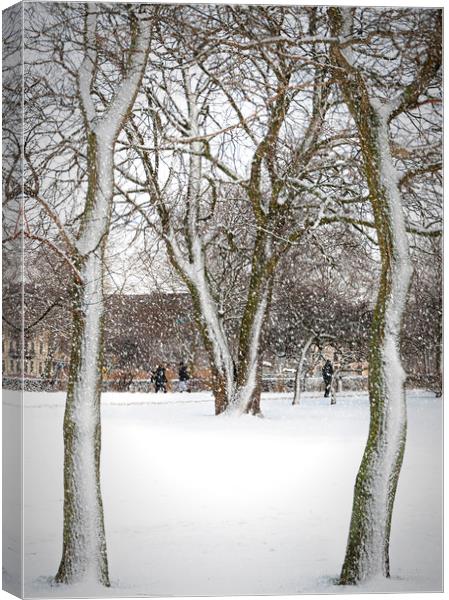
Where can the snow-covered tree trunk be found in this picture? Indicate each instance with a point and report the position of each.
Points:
(214, 339)
(439, 367)
(193, 268)
(84, 543)
(340, 384)
(236, 387)
(247, 390)
(333, 390)
(300, 368)
(367, 553)
(241, 377)
(236, 384)
(193, 272)
(84, 556)
(336, 386)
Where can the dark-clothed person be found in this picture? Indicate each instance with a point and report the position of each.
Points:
(160, 380)
(327, 372)
(184, 377)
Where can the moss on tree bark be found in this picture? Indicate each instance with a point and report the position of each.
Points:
(367, 552)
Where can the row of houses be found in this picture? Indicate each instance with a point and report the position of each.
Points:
(41, 357)
(141, 331)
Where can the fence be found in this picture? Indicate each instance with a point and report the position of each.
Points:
(270, 383)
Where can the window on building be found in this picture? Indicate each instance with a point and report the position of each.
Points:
(32, 346)
(41, 347)
(31, 367)
(11, 365)
(3, 366)
(18, 369)
(26, 367)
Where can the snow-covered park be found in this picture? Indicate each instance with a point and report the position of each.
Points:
(228, 198)
(203, 505)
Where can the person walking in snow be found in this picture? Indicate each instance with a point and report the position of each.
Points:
(184, 377)
(327, 372)
(160, 380)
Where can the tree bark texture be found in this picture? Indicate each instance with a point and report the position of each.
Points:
(367, 552)
(84, 557)
(84, 554)
(300, 368)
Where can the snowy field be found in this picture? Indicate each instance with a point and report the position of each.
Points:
(203, 505)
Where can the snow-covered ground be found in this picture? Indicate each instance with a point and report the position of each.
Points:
(203, 505)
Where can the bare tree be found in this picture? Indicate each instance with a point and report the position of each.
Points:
(422, 331)
(321, 298)
(363, 76)
(222, 115)
(96, 88)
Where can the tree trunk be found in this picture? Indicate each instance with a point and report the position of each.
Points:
(256, 309)
(298, 384)
(367, 552)
(219, 390)
(340, 384)
(333, 394)
(335, 387)
(438, 370)
(299, 370)
(84, 545)
(193, 270)
(212, 333)
(236, 388)
(253, 407)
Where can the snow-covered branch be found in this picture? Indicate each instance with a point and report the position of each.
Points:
(66, 237)
(410, 96)
(127, 91)
(67, 259)
(280, 39)
(87, 67)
